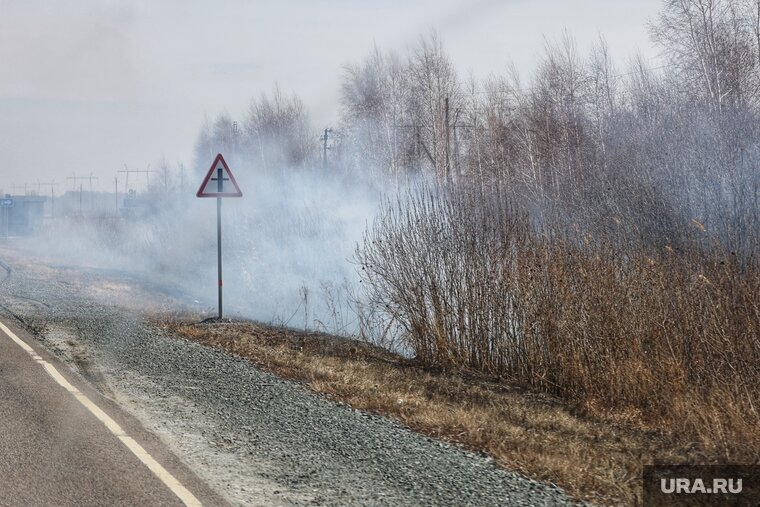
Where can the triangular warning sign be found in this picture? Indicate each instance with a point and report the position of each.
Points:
(219, 182)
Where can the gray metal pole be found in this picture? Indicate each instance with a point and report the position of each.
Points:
(219, 248)
(220, 187)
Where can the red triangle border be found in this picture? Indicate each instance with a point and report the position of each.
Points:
(219, 158)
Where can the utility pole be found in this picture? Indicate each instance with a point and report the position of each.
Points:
(52, 185)
(421, 147)
(324, 147)
(126, 170)
(129, 171)
(76, 178)
(116, 182)
(89, 178)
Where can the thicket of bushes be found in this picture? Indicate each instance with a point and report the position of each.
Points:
(662, 334)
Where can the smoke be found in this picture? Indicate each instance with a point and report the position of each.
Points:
(287, 243)
(297, 234)
(638, 155)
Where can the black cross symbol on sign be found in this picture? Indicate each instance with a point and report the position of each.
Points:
(220, 179)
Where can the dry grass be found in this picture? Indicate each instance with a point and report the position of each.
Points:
(597, 459)
(662, 330)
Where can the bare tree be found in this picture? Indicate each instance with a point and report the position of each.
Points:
(713, 44)
(436, 94)
(277, 133)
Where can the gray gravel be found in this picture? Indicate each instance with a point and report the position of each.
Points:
(256, 439)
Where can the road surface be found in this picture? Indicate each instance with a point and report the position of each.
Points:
(61, 443)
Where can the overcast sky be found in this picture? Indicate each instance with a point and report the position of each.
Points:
(88, 86)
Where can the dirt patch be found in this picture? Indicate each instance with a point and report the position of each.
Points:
(65, 344)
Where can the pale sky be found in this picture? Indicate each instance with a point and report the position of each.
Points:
(88, 86)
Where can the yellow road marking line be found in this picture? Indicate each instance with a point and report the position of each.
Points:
(154, 466)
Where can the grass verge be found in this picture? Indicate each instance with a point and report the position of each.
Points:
(594, 458)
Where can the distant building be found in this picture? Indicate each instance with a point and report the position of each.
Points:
(135, 207)
(21, 215)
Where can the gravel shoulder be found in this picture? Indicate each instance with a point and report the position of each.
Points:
(254, 438)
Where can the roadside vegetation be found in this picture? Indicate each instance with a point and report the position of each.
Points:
(664, 338)
(594, 458)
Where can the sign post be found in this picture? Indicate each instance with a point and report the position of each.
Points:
(219, 182)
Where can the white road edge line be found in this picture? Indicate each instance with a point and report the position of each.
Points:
(154, 466)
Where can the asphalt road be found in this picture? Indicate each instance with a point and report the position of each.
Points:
(62, 443)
